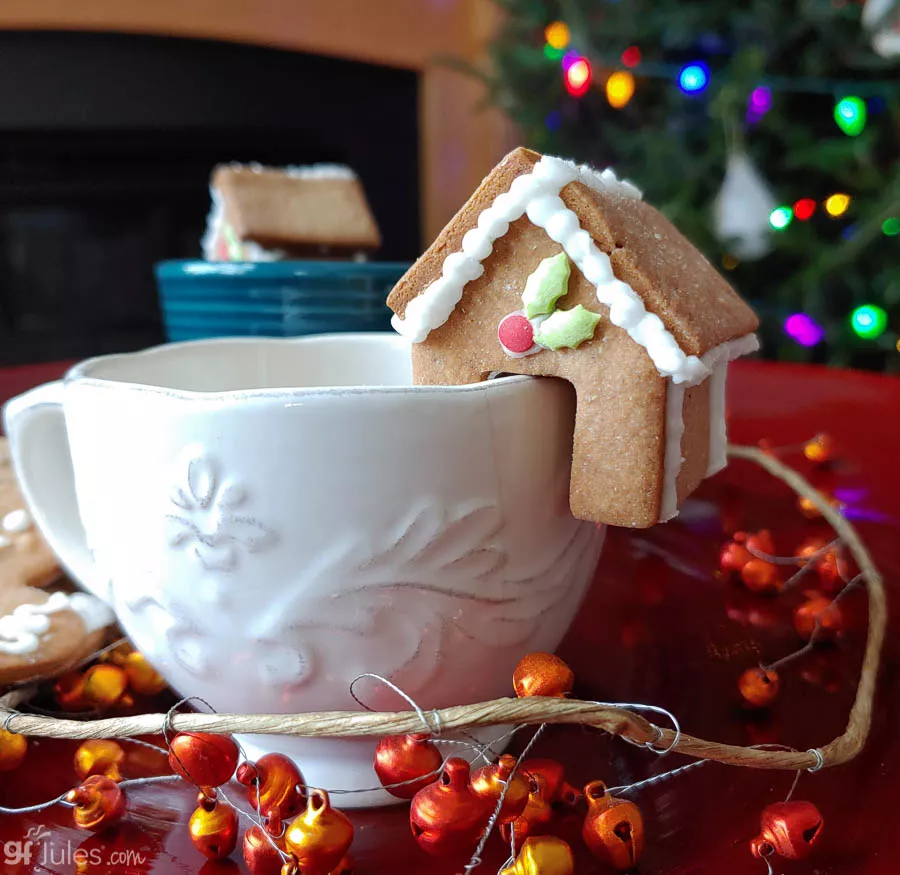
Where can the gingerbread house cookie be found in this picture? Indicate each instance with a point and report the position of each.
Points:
(268, 214)
(557, 270)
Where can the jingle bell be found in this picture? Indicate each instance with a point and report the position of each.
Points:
(535, 819)
(827, 564)
(104, 685)
(613, 829)
(13, 748)
(761, 577)
(558, 789)
(203, 759)
(820, 449)
(98, 801)
(277, 789)
(759, 687)
(345, 867)
(214, 829)
(446, 817)
(543, 855)
(69, 692)
(542, 674)
(789, 829)
(818, 615)
(734, 556)
(143, 678)
(320, 836)
(489, 782)
(402, 758)
(99, 756)
(260, 852)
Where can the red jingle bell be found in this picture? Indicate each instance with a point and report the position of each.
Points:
(98, 801)
(535, 819)
(403, 758)
(320, 836)
(542, 674)
(613, 829)
(203, 759)
(827, 562)
(261, 852)
(446, 817)
(789, 829)
(818, 615)
(214, 829)
(759, 687)
(820, 449)
(277, 788)
(761, 577)
(558, 789)
(734, 556)
(489, 782)
(345, 867)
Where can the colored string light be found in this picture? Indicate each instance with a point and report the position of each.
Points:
(850, 115)
(758, 104)
(693, 78)
(619, 89)
(553, 120)
(804, 208)
(837, 204)
(804, 329)
(569, 58)
(557, 34)
(890, 227)
(552, 54)
(868, 321)
(781, 217)
(578, 77)
(631, 57)
(729, 262)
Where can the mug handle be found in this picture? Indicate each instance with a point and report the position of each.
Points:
(36, 427)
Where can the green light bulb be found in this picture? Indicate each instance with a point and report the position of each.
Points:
(868, 321)
(850, 115)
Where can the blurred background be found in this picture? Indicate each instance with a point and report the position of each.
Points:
(766, 130)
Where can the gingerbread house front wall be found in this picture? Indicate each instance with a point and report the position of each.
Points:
(624, 406)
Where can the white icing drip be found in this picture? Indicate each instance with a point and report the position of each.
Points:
(537, 195)
(16, 521)
(214, 224)
(300, 171)
(20, 631)
(716, 362)
(668, 503)
(4, 542)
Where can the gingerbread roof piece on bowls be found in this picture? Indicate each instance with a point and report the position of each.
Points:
(270, 213)
(557, 270)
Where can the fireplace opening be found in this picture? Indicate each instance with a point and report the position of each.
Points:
(106, 143)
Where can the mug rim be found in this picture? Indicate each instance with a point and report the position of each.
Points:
(80, 372)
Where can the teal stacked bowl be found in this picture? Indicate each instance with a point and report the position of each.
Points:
(274, 299)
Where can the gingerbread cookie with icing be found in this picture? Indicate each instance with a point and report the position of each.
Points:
(558, 270)
(25, 558)
(42, 636)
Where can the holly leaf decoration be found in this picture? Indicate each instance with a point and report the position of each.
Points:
(568, 328)
(546, 285)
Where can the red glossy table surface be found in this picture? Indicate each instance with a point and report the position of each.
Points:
(656, 627)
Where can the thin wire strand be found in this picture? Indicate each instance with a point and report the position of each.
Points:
(436, 730)
(657, 779)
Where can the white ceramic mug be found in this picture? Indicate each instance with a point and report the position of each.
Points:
(264, 546)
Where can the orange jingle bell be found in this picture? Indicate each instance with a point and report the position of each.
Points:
(13, 748)
(403, 758)
(203, 759)
(104, 685)
(761, 577)
(143, 678)
(558, 789)
(542, 674)
(99, 756)
(446, 817)
(320, 837)
(759, 687)
(489, 782)
(98, 803)
(535, 819)
(789, 829)
(819, 615)
(613, 829)
(543, 855)
(214, 829)
(277, 788)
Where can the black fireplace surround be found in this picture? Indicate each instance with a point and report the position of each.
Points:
(106, 143)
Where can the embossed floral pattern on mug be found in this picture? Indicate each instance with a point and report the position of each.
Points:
(211, 522)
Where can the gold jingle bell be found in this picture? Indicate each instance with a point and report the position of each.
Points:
(543, 855)
(613, 828)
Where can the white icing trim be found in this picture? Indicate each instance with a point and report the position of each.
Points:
(716, 361)
(536, 195)
(20, 631)
(16, 521)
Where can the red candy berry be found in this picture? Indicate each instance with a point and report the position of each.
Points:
(516, 334)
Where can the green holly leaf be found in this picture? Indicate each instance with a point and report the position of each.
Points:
(567, 328)
(546, 285)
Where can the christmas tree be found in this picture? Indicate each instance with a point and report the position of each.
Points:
(766, 130)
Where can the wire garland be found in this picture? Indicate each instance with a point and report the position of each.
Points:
(615, 720)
